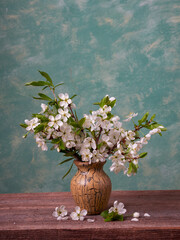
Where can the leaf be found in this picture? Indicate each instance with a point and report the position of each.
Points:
(81, 122)
(142, 155)
(44, 97)
(143, 119)
(46, 75)
(39, 128)
(58, 85)
(96, 103)
(38, 83)
(68, 171)
(104, 214)
(104, 101)
(45, 87)
(119, 218)
(130, 168)
(73, 96)
(41, 117)
(111, 104)
(23, 125)
(100, 145)
(67, 160)
(153, 116)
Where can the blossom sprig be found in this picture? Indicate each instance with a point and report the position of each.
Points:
(115, 213)
(78, 214)
(96, 137)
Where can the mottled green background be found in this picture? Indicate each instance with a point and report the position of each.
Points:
(127, 49)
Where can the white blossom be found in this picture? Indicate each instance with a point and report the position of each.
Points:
(60, 213)
(118, 207)
(65, 100)
(78, 214)
(55, 121)
(64, 114)
(130, 116)
(41, 142)
(32, 123)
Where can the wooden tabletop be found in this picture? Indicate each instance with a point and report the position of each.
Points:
(29, 216)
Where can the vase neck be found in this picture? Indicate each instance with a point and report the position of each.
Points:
(85, 166)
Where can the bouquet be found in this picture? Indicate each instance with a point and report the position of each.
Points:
(96, 137)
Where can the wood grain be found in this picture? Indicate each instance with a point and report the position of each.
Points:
(29, 216)
(91, 187)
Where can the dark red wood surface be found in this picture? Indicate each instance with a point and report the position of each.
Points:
(29, 216)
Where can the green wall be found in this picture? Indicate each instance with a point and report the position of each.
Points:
(127, 49)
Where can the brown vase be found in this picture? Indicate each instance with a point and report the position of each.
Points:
(91, 187)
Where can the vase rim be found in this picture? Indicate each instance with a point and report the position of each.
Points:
(79, 163)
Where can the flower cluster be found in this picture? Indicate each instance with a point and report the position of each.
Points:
(96, 137)
(60, 213)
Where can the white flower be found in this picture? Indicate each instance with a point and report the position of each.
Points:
(134, 219)
(60, 213)
(41, 142)
(64, 114)
(65, 100)
(147, 215)
(86, 154)
(78, 214)
(44, 107)
(136, 214)
(32, 123)
(118, 207)
(130, 116)
(89, 142)
(55, 121)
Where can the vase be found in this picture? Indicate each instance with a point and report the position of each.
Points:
(91, 187)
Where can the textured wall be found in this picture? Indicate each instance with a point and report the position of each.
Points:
(127, 49)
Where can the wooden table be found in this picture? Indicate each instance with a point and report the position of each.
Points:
(29, 216)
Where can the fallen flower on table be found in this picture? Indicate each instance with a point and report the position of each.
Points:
(114, 213)
(60, 213)
(78, 214)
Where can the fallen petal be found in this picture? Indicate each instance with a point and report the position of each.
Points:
(134, 219)
(147, 215)
(90, 220)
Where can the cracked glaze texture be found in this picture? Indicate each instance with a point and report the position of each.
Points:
(91, 187)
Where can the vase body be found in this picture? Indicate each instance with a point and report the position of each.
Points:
(91, 187)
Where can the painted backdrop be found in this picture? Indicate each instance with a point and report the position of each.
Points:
(127, 49)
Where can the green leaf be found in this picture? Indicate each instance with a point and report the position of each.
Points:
(96, 103)
(38, 83)
(142, 155)
(104, 101)
(62, 145)
(73, 96)
(81, 122)
(46, 75)
(58, 85)
(44, 97)
(67, 160)
(153, 116)
(68, 171)
(100, 145)
(23, 125)
(111, 104)
(39, 128)
(41, 117)
(130, 168)
(143, 119)
(45, 87)
(104, 214)
(118, 218)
